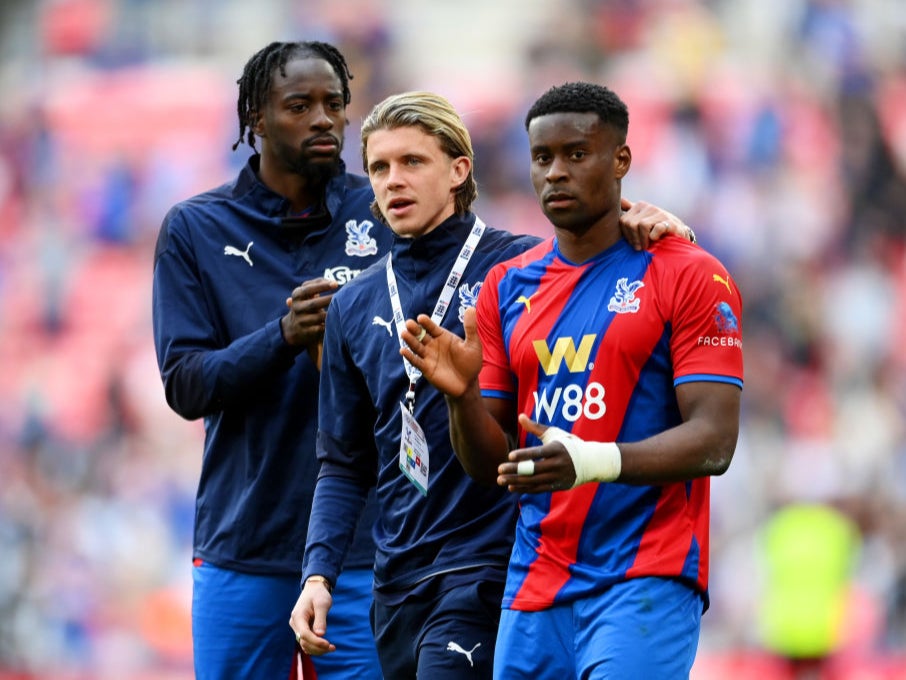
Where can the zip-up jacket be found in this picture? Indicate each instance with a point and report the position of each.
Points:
(459, 526)
(226, 261)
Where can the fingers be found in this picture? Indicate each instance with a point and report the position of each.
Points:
(531, 426)
(414, 335)
(309, 624)
(536, 469)
(301, 303)
(418, 333)
(304, 323)
(631, 225)
(311, 296)
(470, 324)
(643, 223)
(526, 470)
(315, 287)
(319, 624)
(312, 644)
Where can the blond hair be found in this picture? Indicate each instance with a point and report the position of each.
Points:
(435, 116)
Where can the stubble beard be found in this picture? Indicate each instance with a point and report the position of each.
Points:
(317, 172)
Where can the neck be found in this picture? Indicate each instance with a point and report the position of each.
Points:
(580, 246)
(405, 230)
(302, 191)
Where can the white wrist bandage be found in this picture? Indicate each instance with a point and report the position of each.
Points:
(594, 461)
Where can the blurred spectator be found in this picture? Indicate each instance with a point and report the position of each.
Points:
(809, 553)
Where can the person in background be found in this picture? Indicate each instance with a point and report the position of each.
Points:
(600, 386)
(243, 275)
(808, 552)
(443, 540)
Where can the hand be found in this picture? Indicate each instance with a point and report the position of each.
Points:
(553, 466)
(303, 324)
(309, 619)
(642, 223)
(447, 361)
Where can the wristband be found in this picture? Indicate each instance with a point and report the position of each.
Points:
(320, 579)
(593, 461)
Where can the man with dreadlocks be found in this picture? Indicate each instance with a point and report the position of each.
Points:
(238, 345)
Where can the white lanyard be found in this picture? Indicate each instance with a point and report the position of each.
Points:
(443, 302)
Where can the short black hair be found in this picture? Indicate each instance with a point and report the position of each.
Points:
(581, 97)
(258, 75)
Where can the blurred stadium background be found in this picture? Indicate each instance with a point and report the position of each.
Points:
(777, 128)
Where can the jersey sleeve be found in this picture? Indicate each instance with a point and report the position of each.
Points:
(707, 323)
(496, 378)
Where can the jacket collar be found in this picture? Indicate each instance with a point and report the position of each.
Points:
(435, 250)
(276, 205)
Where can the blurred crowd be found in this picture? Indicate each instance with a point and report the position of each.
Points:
(776, 128)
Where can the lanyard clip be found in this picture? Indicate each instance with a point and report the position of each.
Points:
(410, 397)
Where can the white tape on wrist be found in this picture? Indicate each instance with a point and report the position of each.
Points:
(594, 461)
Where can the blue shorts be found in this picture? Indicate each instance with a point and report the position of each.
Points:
(641, 628)
(445, 635)
(240, 626)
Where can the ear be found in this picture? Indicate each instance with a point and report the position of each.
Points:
(622, 159)
(256, 123)
(459, 170)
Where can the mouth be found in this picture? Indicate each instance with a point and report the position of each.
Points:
(399, 205)
(322, 145)
(559, 200)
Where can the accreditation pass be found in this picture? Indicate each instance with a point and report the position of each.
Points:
(414, 452)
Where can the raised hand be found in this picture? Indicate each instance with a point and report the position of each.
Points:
(448, 362)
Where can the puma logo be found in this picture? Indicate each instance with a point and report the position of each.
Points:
(527, 301)
(453, 647)
(721, 279)
(244, 254)
(378, 321)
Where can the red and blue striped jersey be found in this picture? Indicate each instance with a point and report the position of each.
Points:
(597, 349)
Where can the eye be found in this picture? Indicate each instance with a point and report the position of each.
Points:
(541, 159)
(578, 155)
(376, 168)
(299, 108)
(336, 106)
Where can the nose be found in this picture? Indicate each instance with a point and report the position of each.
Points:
(394, 176)
(556, 170)
(321, 118)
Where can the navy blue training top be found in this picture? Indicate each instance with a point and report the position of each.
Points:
(460, 525)
(225, 263)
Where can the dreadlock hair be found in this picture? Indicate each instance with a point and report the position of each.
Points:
(258, 75)
(582, 97)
